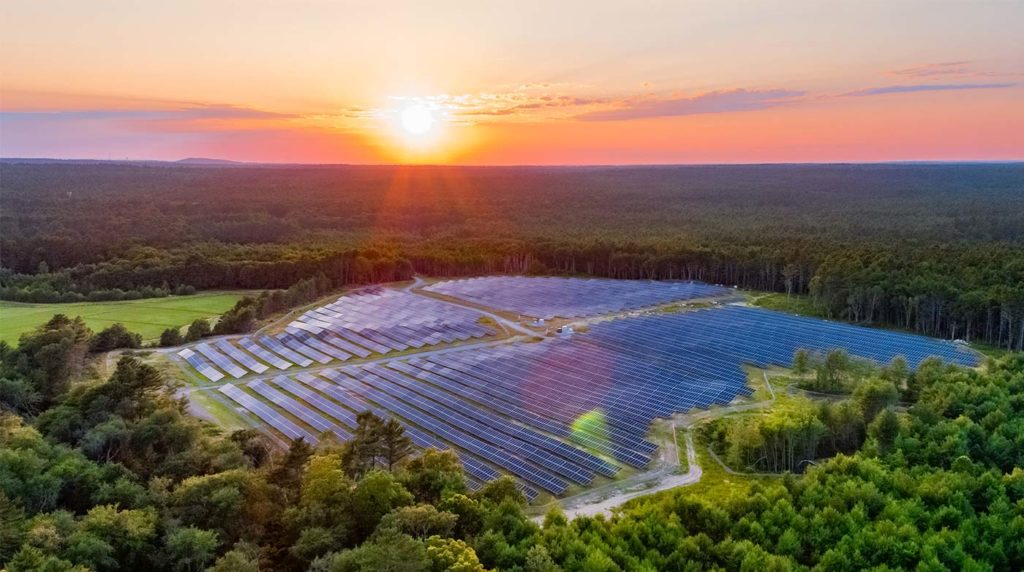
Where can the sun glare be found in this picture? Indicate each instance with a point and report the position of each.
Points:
(417, 119)
(421, 131)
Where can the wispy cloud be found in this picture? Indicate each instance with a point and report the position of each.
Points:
(936, 69)
(184, 113)
(889, 89)
(539, 102)
(729, 101)
(182, 118)
(950, 70)
(528, 101)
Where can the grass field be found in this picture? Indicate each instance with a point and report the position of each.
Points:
(148, 317)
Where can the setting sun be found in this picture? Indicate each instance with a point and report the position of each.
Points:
(417, 119)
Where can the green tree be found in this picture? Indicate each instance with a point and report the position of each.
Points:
(801, 361)
(114, 337)
(12, 527)
(833, 375)
(361, 453)
(469, 514)
(376, 494)
(538, 560)
(130, 533)
(395, 445)
(500, 490)
(420, 521)
(874, 395)
(451, 555)
(31, 559)
(171, 337)
(897, 372)
(198, 329)
(885, 428)
(287, 470)
(253, 445)
(388, 552)
(19, 395)
(433, 475)
(189, 549)
(219, 502)
(244, 557)
(51, 356)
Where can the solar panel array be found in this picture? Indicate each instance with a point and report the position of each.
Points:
(357, 325)
(571, 297)
(523, 409)
(761, 337)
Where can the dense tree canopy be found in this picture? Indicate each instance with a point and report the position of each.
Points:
(925, 472)
(934, 248)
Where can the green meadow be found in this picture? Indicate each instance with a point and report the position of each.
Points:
(148, 317)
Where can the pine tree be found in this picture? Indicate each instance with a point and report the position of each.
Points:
(395, 444)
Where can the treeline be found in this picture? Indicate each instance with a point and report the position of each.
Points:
(937, 249)
(244, 315)
(47, 287)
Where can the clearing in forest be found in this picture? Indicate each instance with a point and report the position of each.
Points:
(148, 317)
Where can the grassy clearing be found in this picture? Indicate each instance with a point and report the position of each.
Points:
(800, 305)
(716, 484)
(207, 406)
(684, 460)
(148, 317)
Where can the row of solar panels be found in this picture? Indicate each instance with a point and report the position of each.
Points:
(571, 297)
(402, 307)
(763, 337)
(387, 309)
(303, 348)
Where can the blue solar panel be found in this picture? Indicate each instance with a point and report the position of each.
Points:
(241, 357)
(267, 414)
(221, 360)
(201, 365)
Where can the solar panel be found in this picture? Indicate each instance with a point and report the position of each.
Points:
(241, 357)
(201, 365)
(222, 361)
(267, 414)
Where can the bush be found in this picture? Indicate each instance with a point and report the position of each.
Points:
(197, 329)
(115, 337)
(171, 337)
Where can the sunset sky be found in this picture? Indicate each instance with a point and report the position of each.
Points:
(517, 82)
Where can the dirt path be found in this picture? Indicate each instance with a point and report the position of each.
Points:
(592, 504)
(509, 325)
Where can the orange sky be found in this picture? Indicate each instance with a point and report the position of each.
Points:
(526, 82)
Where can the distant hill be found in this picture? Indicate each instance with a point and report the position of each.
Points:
(207, 161)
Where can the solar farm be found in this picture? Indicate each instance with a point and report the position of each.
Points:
(548, 298)
(558, 413)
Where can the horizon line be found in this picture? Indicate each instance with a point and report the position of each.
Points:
(227, 163)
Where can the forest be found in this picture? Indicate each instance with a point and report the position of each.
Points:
(914, 470)
(932, 248)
